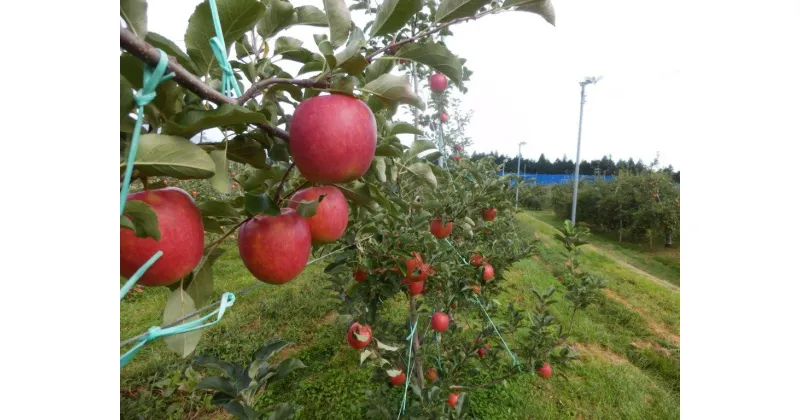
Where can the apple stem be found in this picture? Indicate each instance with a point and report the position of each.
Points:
(294, 190)
(283, 181)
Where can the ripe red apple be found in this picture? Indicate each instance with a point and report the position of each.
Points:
(330, 222)
(438, 82)
(333, 138)
(398, 380)
(457, 157)
(275, 248)
(416, 288)
(453, 305)
(545, 371)
(476, 260)
(489, 214)
(488, 272)
(359, 329)
(432, 375)
(481, 352)
(441, 231)
(452, 399)
(413, 265)
(181, 227)
(440, 322)
(360, 275)
(459, 147)
(443, 117)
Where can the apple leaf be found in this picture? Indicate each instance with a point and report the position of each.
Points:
(260, 204)
(338, 20)
(424, 172)
(286, 43)
(310, 67)
(215, 208)
(236, 17)
(278, 16)
(405, 128)
(385, 347)
(308, 208)
(193, 121)
(379, 166)
(388, 150)
(201, 287)
(172, 50)
(126, 101)
(393, 14)
(454, 9)
(177, 157)
(358, 192)
(419, 146)
(384, 362)
(377, 68)
(135, 14)
(179, 304)
(211, 225)
(243, 150)
(220, 180)
(543, 8)
(431, 157)
(142, 219)
(463, 403)
(309, 15)
(364, 355)
(436, 56)
(394, 88)
(350, 58)
(393, 372)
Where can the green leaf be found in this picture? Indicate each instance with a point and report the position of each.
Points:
(210, 361)
(270, 348)
(236, 17)
(393, 14)
(126, 101)
(135, 14)
(419, 146)
(338, 20)
(260, 204)
(286, 367)
(194, 121)
(436, 56)
(220, 181)
(142, 219)
(310, 67)
(177, 157)
(543, 8)
(243, 149)
(377, 68)
(172, 50)
(284, 411)
(309, 15)
(201, 288)
(391, 87)
(358, 192)
(350, 58)
(217, 383)
(215, 208)
(286, 43)
(364, 355)
(405, 128)
(307, 208)
(278, 16)
(379, 166)
(179, 304)
(430, 157)
(424, 172)
(240, 411)
(454, 9)
(388, 150)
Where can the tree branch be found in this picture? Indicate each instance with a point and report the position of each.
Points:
(283, 181)
(150, 55)
(259, 86)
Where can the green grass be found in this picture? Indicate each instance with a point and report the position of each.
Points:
(656, 260)
(627, 369)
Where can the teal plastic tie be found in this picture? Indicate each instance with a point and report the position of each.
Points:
(409, 367)
(454, 248)
(438, 338)
(157, 332)
(138, 274)
(510, 353)
(221, 53)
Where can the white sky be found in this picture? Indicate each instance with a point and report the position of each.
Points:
(664, 66)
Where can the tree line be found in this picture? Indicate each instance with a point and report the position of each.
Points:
(563, 165)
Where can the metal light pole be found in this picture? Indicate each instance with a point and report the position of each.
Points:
(519, 161)
(588, 81)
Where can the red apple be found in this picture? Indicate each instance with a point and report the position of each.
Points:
(457, 157)
(432, 374)
(489, 214)
(545, 371)
(181, 227)
(488, 272)
(330, 222)
(416, 288)
(443, 117)
(476, 260)
(440, 322)
(398, 380)
(459, 147)
(359, 329)
(481, 352)
(275, 248)
(438, 82)
(476, 289)
(333, 138)
(416, 264)
(360, 275)
(452, 399)
(440, 231)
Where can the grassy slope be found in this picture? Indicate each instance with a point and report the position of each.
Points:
(630, 367)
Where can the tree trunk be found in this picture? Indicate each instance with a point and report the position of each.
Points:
(417, 358)
(668, 240)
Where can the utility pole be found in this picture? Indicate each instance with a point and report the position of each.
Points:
(588, 81)
(519, 161)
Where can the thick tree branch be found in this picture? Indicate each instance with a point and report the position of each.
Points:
(259, 86)
(150, 55)
(432, 31)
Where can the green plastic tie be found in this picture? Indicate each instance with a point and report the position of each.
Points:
(438, 338)
(157, 332)
(138, 274)
(454, 248)
(510, 353)
(409, 367)
(229, 82)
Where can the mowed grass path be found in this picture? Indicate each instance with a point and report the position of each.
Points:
(629, 347)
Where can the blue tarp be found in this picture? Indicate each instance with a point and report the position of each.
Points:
(548, 179)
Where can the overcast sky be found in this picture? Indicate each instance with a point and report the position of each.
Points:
(663, 64)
